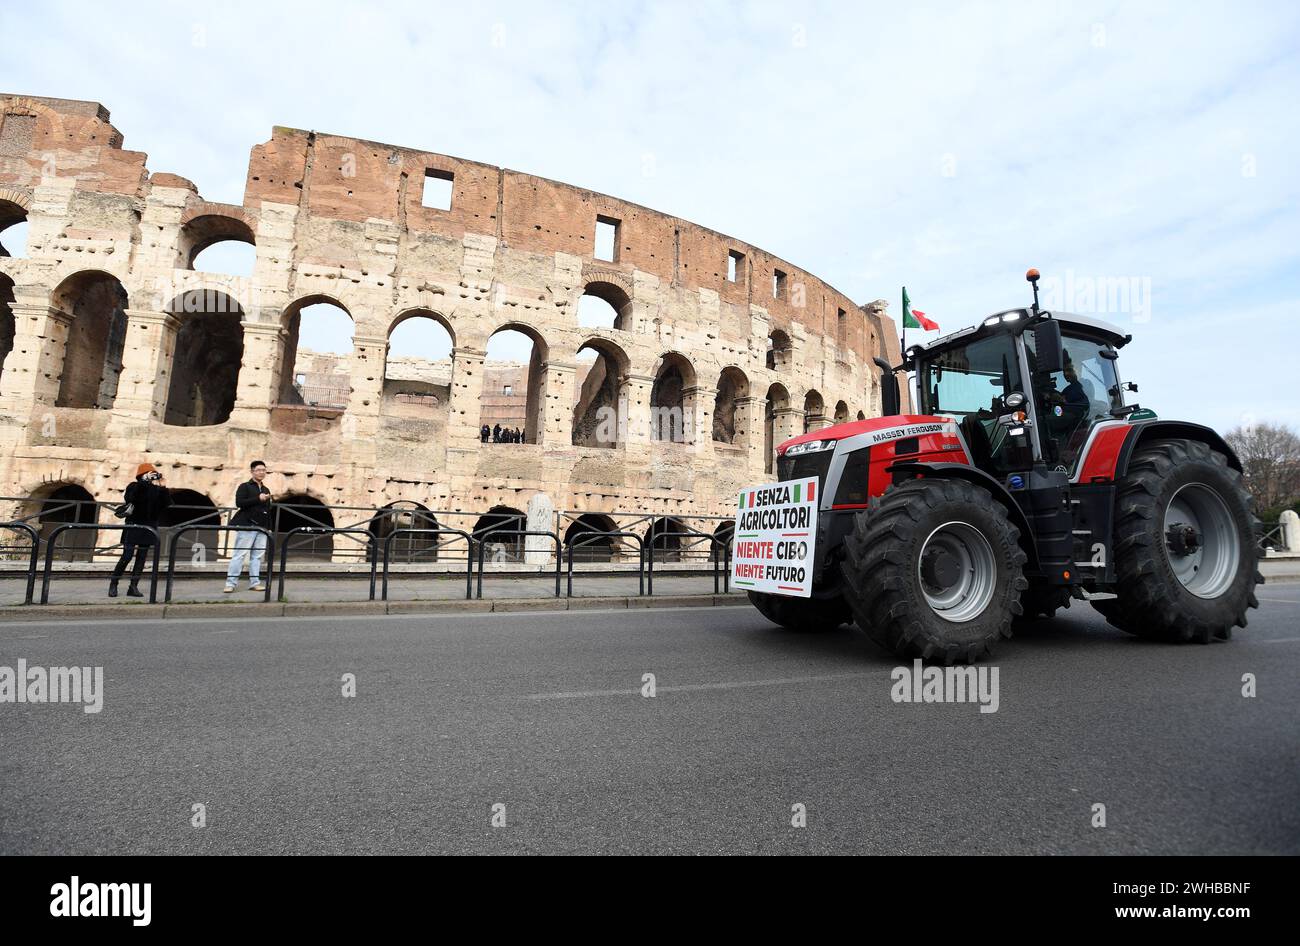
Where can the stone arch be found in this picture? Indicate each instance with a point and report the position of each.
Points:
(841, 412)
(501, 518)
(328, 389)
(661, 537)
(499, 404)
(613, 294)
(596, 403)
(861, 416)
(814, 410)
(419, 384)
(95, 303)
(674, 376)
(13, 211)
(405, 514)
(66, 502)
(189, 508)
(298, 509)
(779, 350)
(733, 386)
(593, 548)
(206, 358)
(778, 399)
(204, 228)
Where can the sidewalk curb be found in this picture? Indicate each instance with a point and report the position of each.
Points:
(275, 609)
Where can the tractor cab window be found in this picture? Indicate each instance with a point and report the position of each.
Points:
(1070, 401)
(968, 383)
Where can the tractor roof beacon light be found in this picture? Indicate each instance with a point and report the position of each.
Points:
(1032, 277)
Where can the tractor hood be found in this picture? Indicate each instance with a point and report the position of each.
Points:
(854, 428)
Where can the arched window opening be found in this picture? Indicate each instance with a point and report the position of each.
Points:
(297, 510)
(814, 411)
(92, 359)
(514, 380)
(588, 546)
(861, 416)
(605, 305)
(732, 387)
(778, 399)
(778, 351)
(13, 230)
(501, 548)
(665, 539)
(668, 409)
(418, 367)
(60, 503)
(206, 359)
(601, 367)
(213, 243)
(191, 508)
(841, 412)
(392, 521)
(317, 355)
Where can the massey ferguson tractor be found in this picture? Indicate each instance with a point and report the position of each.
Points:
(1023, 482)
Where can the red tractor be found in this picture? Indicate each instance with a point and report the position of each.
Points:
(1023, 482)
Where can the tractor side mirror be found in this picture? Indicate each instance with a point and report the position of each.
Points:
(1049, 350)
(890, 400)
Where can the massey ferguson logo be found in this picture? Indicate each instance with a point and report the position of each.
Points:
(916, 430)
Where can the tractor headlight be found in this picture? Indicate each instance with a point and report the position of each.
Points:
(810, 446)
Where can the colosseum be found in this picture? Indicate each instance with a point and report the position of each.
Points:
(117, 350)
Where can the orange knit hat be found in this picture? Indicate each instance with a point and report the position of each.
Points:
(144, 468)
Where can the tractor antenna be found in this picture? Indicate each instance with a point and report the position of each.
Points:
(1032, 277)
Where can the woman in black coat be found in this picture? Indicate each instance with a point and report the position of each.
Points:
(147, 499)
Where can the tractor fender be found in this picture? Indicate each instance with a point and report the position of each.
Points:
(971, 474)
(1145, 432)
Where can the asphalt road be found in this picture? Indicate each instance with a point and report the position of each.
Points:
(543, 714)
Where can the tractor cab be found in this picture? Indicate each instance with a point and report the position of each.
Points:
(1026, 388)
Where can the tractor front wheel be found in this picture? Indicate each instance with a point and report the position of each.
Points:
(934, 569)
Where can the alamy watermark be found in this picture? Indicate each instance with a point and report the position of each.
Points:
(921, 684)
(1098, 295)
(24, 683)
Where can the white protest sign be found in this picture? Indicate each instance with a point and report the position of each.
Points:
(776, 538)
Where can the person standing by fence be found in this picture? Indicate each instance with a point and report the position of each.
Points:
(253, 500)
(142, 505)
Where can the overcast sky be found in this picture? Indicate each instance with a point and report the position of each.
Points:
(946, 147)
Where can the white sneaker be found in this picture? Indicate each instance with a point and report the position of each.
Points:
(229, 589)
(257, 587)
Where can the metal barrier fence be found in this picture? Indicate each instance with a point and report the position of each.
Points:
(640, 567)
(309, 530)
(52, 543)
(34, 557)
(573, 533)
(713, 541)
(270, 553)
(469, 558)
(524, 534)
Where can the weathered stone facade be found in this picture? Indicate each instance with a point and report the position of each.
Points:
(121, 352)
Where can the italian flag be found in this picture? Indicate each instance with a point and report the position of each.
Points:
(915, 318)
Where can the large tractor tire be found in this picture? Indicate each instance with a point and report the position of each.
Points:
(934, 569)
(802, 614)
(1186, 559)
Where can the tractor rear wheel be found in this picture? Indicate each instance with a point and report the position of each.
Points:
(801, 614)
(934, 569)
(1186, 559)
